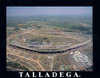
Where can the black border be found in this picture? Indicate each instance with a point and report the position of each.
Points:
(48, 2)
(96, 42)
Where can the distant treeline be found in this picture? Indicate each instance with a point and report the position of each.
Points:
(72, 23)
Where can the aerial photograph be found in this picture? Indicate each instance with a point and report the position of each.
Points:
(48, 38)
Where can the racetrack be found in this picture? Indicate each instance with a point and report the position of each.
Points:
(50, 52)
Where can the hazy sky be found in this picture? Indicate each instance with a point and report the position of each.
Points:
(29, 11)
